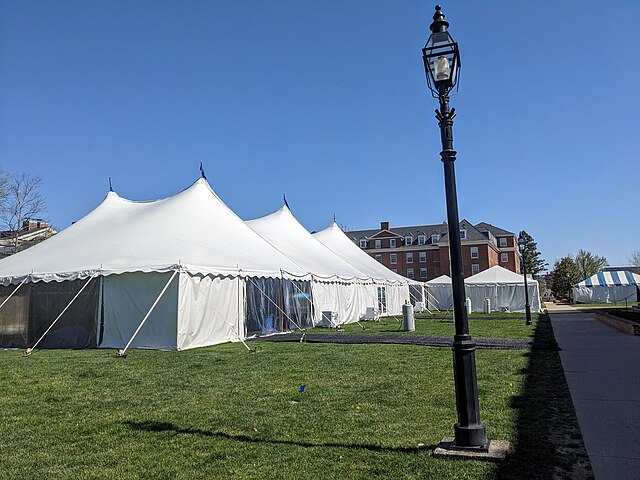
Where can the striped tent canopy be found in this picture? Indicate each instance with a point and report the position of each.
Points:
(607, 279)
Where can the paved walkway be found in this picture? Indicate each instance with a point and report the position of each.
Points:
(602, 367)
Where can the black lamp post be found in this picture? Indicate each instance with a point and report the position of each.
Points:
(522, 244)
(442, 65)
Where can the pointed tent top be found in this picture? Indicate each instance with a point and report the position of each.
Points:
(110, 187)
(202, 171)
(284, 197)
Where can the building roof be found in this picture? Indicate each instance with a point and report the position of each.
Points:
(495, 231)
(474, 232)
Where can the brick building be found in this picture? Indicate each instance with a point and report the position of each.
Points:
(422, 252)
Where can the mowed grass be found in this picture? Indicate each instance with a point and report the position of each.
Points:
(492, 325)
(368, 411)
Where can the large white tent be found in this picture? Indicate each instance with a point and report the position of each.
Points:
(392, 290)
(336, 285)
(207, 273)
(504, 289)
(439, 293)
(608, 287)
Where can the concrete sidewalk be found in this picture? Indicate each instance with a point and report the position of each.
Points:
(602, 367)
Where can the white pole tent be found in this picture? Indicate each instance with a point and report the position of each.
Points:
(229, 281)
(440, 293)
(392, 290)
(608, 287)
(336, 285)
(503, 288)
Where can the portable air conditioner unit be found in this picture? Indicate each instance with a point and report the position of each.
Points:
(329, 319)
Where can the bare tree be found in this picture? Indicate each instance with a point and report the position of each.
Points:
(634, 258)
(21, 202)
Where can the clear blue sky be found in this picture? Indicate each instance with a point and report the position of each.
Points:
(326, 101)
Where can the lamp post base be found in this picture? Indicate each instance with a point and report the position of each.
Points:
(494, 451)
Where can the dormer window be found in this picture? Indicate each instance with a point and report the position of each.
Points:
(435, 238)
(378, 243)
(408, 240)
(503, 242)
(392, 243)
(363, 244)
(422, 239)
(463, 234)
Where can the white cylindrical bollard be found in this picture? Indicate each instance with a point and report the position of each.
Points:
(408, 321)
(467, 304)
(487, 305)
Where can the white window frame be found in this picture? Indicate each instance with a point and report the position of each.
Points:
(379, 258)
(393, 258)
(410, 273)
(377, 243)
(504, 257)
(503, 242)
(409, 257)
(423, 270)
(435, 238)
(463, 234)
(475, 250)
(409, 241)
(392, 243)
(363, 244)
(422, 240)
(476, 267)
(422, 257)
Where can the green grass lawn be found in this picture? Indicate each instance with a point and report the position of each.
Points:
(492, 325)
(369, 411)
(603, 306)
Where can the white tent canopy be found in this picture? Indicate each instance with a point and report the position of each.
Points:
(393, 289)
(504, 289)
(193, 228)
(608, 287)
(337, 286)
(439, 293)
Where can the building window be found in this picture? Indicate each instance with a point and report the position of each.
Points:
(409, 272)
(408, 240)
(503, 242)
(422, 257)
(392, 243)
(422, 239)
(409, 257)
(474, 252)
(423, 273)
(475, 268)
(379, 258)
(435, 238)
(463, 234)
(393, 258)
(363, 244)
(378, 243)
(504, 257)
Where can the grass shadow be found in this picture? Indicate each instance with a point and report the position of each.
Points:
(548, 443)
(156, 427)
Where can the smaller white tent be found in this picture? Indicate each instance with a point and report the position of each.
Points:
(439, 293)
(504, 289)
(607, 287)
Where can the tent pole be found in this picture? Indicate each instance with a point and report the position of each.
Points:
(123, 353)
(28, 351)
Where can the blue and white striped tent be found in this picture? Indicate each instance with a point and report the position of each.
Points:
(607, 287)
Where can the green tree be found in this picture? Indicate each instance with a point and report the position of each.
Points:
(589, 264)
(564, 276)
(532, 257)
